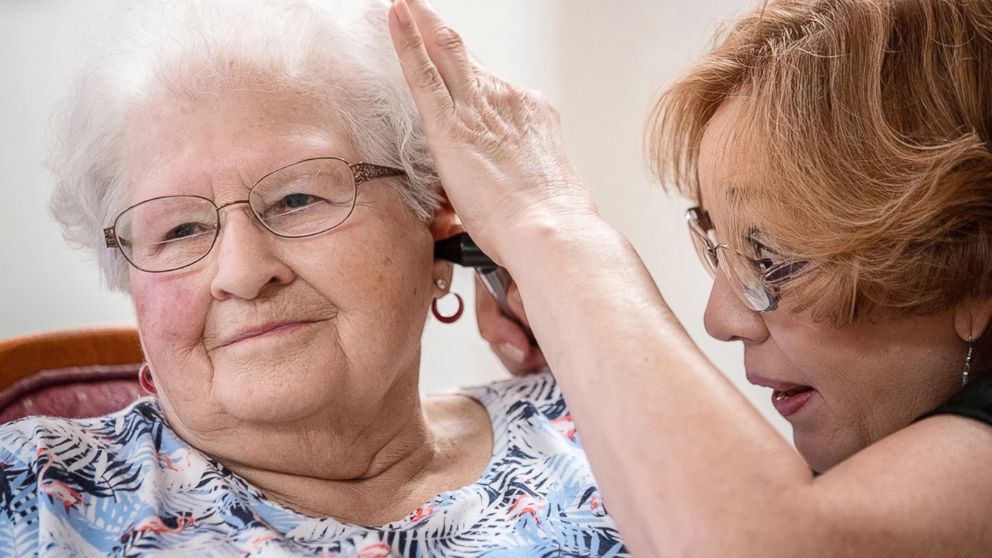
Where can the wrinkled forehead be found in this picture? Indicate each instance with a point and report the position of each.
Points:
(226, 140)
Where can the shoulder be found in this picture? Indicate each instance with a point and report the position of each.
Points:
(49, 453)
(535, 393)
(540, 478)
(52, 468)
(923, 490)
(27, 439)
(974, 401)
(530, 410)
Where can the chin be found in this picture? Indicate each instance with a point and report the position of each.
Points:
(270, 395)
(819, 454)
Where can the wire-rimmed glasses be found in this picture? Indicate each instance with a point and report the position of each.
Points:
(755, 280)
(303, 199)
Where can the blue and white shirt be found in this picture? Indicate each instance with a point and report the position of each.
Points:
(126, 485)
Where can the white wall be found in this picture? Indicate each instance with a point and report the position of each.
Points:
(599, 62)
(44, 284)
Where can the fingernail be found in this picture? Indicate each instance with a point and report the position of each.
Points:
(403, 12)
(511, 353)
(514, 294)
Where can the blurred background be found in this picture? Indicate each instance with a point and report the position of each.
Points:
(600, 63)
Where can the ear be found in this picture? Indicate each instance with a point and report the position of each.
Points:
(972, 317)
(445, 223)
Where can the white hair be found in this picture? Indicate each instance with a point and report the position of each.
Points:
(329, 49)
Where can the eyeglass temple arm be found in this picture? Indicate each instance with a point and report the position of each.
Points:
(367, 171)
(110, 237)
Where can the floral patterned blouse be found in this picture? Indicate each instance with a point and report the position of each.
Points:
(126, 485)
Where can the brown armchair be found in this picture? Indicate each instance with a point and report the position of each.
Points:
(69, 373)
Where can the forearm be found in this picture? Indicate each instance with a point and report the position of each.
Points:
(649, 405)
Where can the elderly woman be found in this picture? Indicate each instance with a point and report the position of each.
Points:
(839, 157)
(254, 175)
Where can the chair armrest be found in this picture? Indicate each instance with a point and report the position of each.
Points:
(21, 357)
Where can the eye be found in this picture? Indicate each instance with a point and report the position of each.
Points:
(764, 257)
(773, 266)
(187, 230)
(291, 203)
(296, 201)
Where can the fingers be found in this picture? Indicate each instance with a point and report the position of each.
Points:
(505, 337)
(533, 361)
(429, 91)
(517, 304)
(446, 49)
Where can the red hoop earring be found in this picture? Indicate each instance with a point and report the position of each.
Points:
(452, 318)
(145, 379)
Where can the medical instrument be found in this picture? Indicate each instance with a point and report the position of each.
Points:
(462, 250)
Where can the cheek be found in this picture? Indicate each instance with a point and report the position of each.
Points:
(171, 312)
(396, 282)
(383, 260)
(864, 372)
(379, 279)
(826, 358)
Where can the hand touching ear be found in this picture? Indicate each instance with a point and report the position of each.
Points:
(498, 148)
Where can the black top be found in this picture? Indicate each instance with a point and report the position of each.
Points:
(973, 401)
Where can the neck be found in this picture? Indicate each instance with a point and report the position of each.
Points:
(343, 462)
(349, 477)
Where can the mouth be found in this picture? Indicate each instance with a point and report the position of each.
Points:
(266, 330)
(788, 399)
(788, 403)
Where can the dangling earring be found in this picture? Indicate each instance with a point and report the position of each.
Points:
(442, 285)
(145, 379)
(967, 363)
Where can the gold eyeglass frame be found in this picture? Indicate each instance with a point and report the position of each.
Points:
(361, 172)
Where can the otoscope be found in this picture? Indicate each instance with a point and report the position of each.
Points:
(462, 250)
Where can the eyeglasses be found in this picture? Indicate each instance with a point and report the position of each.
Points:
(756, 280)
(296, 201)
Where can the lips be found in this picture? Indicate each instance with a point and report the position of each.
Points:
(787, 398)
(265, 329)
(783, 395)
(789, 403)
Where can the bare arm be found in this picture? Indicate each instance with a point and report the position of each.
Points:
(686, 464)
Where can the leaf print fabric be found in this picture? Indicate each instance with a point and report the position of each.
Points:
(126, 485)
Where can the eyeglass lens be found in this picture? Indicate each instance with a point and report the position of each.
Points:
(304, 199)
(749, 285)
(705, 248)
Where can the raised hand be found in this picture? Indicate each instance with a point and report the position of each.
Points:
(497, 147)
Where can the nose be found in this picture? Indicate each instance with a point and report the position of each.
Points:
(245, 261)
(727, 318)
